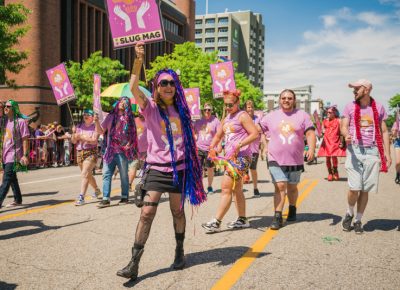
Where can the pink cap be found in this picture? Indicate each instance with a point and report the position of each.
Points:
(361, 83)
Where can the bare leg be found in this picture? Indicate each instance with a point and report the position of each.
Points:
(254, 177)
(279, 197)
(240, 201)
(362, 202)
(226, 197)
(178, 214)
(210, 176)
(292, 193)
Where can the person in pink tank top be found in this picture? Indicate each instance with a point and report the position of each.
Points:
(173, 165)
(239, 132)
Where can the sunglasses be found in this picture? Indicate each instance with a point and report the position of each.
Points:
(329, 112)
(7, 106)
(207, 110)
(285, 98)
(87, 115)
(229, 105)
(164, 83)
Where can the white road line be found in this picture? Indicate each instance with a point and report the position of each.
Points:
(50, 179)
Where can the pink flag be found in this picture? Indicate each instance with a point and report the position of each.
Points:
(317, 123)
(223, 78)
(132, 21)
(59, 81)
(96, 96)
(193, 100)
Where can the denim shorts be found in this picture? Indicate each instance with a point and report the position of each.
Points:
(278, 175)
(396, 143)
(363, 165)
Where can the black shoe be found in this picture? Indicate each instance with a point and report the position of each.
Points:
(277, 222)
(358, 229)
(346, 224)
(291, 217)
(256, 193)
(104, 203)
(179, 261)
(123, 201)
(397, 180)
(132, 269)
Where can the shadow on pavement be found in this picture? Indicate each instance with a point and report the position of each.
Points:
(38, 225)
(382, 225)
(224, 256)
(35, 204)
(6, 286)
(39, 193)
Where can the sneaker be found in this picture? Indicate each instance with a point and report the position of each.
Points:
(123, 201)
(210, 190)
(80, 200)
(240, 223)
(256, 193)
(358, 229)
(346, 224)
(97, 194)
(13, 204)
(104, 203)
(330, 177)
(291, 217)
(212, 226)
(277, 222)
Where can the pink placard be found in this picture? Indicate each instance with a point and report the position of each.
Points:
(193, 100)
(96, 96)
(317, 123)
(223, 78)
(132, 21)
(59, 81)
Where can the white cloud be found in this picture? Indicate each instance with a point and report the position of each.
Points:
(329, 20)
(332, 57)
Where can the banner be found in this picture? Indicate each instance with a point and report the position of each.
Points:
(222, 75)
(96, 96)
(317, 123)
(132, 21)
(59, 81)
(193, 100)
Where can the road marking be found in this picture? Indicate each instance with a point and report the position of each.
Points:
(34, 210)
(50, 179)
(242, 264)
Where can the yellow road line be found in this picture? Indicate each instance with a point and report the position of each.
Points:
(241, 265)
(29, 211)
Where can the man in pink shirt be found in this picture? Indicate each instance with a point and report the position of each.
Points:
(286, 128)
(368, 150)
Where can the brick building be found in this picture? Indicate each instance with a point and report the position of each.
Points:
(62, 30)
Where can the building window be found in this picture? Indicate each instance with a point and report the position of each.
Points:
(223, 48)
(198, 31)
(199, 21)
(209, 49)
(210, 21)
(198, 40)
(210, 40)
(172, 27)
(210, 30)
(223, 20)
(222, 39)
(223, 29)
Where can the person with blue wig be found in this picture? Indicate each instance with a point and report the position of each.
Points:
(172, 163)
(15, 151)
(120, 138)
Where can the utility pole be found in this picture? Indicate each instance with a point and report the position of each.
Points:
(206, 7)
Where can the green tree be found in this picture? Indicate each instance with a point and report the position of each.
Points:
(12, 16)
(81, 77)
(194, 67)
(394, 102)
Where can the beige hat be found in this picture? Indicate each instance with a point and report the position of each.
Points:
(361, 83)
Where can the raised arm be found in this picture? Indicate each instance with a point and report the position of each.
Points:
(139, 96)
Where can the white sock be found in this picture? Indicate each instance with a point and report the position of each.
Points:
(350, 210)
(359, 216)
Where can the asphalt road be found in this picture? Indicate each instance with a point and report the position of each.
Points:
(49, 243)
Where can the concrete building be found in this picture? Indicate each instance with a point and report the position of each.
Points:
(239, 36)
(304, 100)
(62, 30)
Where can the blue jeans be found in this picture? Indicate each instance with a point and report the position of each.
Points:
(10, 180)
(108, 171)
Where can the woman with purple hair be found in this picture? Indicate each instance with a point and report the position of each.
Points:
(119, 131)
(172, 164)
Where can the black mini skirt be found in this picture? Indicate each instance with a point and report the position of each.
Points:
(162, 181)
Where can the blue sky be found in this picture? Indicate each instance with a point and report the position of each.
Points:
(327, 43)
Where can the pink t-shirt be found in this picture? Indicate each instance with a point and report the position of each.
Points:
(120, 139)
(9, 139)
(158, 145)
(286, 132)
(141, 130)
(87, 131)
(206, 130)
(235, 133)
(366, 123)
(255, 145)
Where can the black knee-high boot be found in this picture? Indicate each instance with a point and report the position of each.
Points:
(179, 262)
(132, 269)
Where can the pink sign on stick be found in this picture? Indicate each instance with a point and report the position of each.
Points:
(62, 88)
(96, 96)
(223, 78)
(132, 21)
(317, 123)
(193, 100)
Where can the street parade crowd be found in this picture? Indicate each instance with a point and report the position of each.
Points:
(172, 152)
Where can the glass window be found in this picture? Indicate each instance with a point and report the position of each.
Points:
(223, 48)
(198, 31)
(209, 49)
(210, 30)
(223, 29)
(198, 40)
(223, 20)
(222, 39)
(210, 21)
(199, 21)
(210, 40)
